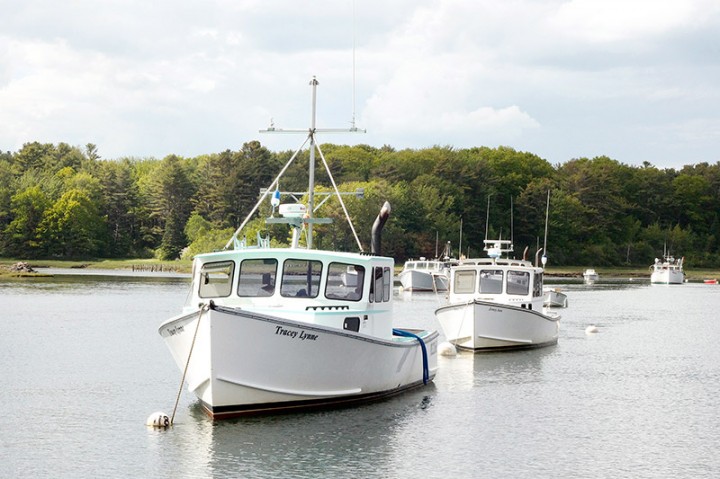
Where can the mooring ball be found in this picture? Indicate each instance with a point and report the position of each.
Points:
(591, 329)
(447, 349)
(158, 419)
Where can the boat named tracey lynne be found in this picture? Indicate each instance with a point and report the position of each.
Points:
(269, 329)
(496, 303)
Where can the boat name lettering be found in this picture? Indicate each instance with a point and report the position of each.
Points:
(497, 310)
(294, 334)
(175, 330)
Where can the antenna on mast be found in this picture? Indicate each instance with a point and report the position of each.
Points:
(352, 123)
(314, 148)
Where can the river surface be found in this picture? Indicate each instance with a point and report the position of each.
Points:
(83, 367)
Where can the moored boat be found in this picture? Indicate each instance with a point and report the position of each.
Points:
(554, 298)
(496, 303)
(424, 275)
(667, 270)
(590, 276)
(269, 329)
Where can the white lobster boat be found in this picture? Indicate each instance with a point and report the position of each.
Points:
(424, 275)
(667, 271)
(282, 329)
(497, 303)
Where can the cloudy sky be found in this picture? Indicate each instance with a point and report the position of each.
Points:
(636, 80)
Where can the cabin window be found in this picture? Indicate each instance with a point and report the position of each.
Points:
(301, 278)
(257, 277)
(345, 281)
(216, 279)
(518, 282)
(538, 285)
(464, 282)
(491, 281)
(381, 285)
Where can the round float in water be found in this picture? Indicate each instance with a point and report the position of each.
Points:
(447, 349)
(158, 419)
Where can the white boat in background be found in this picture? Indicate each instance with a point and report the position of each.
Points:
(424, 275)
(667, 270)
(496, 303)
(427, 275)
(590, 276)
(554, 298)
(283, 329)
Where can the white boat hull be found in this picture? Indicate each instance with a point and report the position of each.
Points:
(485, 326)
(415, 280)
(244, 363)
(555, 299)
(667, 277)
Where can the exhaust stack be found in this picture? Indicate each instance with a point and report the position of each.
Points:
(377, 228)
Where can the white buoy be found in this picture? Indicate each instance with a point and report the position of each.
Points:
(158, 419)
(447, 349)
(591, 329)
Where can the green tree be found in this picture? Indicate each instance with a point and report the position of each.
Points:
(27, 209)
(170, 205)
(72, 227)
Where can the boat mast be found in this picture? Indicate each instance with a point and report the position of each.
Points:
(314, 148)
(487, 217)
(512, 224)
(311, 175)
(547, 213)
(460, 245)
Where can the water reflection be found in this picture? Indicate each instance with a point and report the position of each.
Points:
(468, 370)
(308, 445)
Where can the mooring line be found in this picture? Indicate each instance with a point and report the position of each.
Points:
(203, 308)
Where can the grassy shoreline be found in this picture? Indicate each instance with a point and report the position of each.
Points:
(185, 266)
(128, 264)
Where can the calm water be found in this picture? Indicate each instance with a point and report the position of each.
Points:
(83, 367)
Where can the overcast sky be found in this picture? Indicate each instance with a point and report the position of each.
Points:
(635, 80)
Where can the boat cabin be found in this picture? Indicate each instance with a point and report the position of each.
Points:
(305, 285)
(423, 264)
(506, 281)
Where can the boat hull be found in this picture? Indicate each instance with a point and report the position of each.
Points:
(555, 299)
(414, 280)
(249, 363)
(667, 277)
(486, 326)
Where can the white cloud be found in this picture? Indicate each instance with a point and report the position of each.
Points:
(141, 79)
(619, 20)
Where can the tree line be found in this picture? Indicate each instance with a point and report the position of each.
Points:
(66, 202)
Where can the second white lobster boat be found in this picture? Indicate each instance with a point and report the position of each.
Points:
(496, 303)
